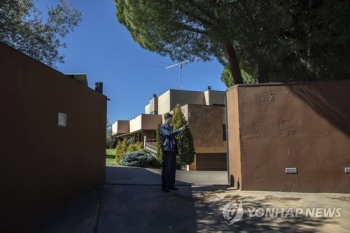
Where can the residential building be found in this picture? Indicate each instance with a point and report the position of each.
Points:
(205, 113)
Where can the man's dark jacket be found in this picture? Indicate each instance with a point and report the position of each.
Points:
(167, 136)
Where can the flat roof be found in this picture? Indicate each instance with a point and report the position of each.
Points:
(80, 78)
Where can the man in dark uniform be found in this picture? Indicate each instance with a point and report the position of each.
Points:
(169, 149)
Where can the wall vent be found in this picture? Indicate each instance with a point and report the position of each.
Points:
(62, 119)
(291, 170)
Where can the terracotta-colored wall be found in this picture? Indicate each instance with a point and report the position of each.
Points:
(301, 125)
(121, 127)
(151, 121)
(233, 138)
(44, 167)
(206, 123)
(211, 162)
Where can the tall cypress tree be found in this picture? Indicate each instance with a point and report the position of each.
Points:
(185, 145)
(159, 144)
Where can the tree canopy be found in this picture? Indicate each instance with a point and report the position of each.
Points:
(226, 77)
(271, 40)
(318, 39)
(23, 28)
(182, 29)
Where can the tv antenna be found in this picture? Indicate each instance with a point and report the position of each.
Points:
(180, 67)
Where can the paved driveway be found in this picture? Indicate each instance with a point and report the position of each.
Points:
(132, 201)
(145, 176)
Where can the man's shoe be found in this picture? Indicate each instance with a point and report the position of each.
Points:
(173, 188)
(166, 190)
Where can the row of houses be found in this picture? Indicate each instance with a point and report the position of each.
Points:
(205, 113)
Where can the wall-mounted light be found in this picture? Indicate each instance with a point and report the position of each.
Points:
(291, 170)
(62, 119)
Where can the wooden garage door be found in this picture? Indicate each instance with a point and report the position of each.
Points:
(211, 162)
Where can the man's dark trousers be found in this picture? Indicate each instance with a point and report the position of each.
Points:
(169, 169)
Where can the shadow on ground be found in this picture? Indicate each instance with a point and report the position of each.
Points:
(136, 203)
(209, 205)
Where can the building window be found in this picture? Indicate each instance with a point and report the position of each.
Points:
(224, 132)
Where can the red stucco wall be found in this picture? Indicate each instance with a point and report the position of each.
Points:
(302, 125)
(43, 167)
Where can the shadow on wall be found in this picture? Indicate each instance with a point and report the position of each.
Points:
(232, 182)
(330, 100)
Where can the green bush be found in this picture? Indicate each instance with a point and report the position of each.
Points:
(124, 146)
(138, 146)
(156, 162)
(137, 159)
(121, 148)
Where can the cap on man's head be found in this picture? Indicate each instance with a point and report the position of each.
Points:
(167, 115)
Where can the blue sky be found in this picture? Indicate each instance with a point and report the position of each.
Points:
(104, 50)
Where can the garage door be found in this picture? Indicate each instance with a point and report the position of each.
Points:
(211, 162)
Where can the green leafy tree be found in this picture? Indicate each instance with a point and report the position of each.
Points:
(270, 40)
(185, 139)
(313, 42)
(109, 139)
(226, 77)
(319, 39)
(183, 29)
(23, 28)
(238, 33)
